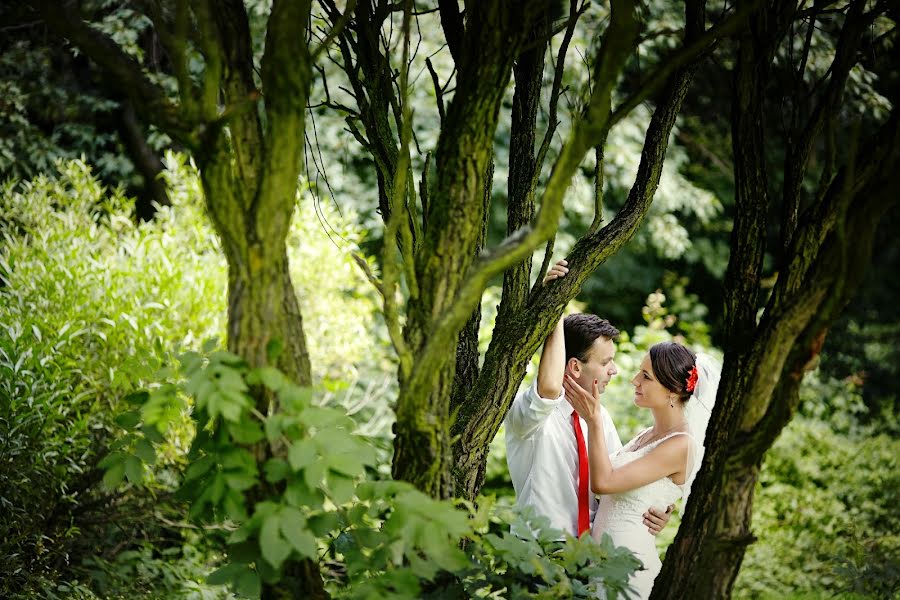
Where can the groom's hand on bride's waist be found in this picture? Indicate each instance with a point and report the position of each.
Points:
(656, 518)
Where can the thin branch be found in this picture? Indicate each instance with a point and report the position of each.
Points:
(598, 188)
(439, 96)
(364, 266)
(545, 265)
(336, 29)
(552, 123)
(397, 221)
(681, 57)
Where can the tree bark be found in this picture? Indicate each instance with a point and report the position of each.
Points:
(765, 361)
(249, 173)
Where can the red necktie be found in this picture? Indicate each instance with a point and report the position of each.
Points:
(584, 512)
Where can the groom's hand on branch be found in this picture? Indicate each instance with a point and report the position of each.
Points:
(585, 403)
(656, 518)
(556, 271)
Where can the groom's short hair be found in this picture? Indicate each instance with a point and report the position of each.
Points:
(581, 330)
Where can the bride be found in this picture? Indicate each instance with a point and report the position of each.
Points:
(658, 466)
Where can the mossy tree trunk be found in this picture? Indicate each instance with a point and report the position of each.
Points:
(248, 145)
(825, 249)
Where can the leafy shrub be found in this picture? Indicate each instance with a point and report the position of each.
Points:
(296, 482)
(91, 304)
(825, 510)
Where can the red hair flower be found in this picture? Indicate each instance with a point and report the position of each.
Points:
(691, 382)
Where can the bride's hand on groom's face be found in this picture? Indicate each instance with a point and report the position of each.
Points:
(586, 403)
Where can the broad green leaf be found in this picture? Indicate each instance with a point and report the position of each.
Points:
(245, 431)
(348, 464)
(321, 417)
(144, 450)
(240, 481)
(323, 524)
(137, 398)
(270, 377)
(111, 459)
(300, 495)
(301, 454)
(341, 488)
(295, 398)
(275, 549)
(114, 475)
(313, 474)
(199, 468)
(247, 584)
(293, 527)
(225, 575)
(276, 470)
(134, 470)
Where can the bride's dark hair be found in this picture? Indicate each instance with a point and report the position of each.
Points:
(672, 364)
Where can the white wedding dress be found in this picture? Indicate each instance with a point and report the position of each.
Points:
(621, 515)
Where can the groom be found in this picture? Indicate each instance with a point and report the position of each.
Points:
(546, 440)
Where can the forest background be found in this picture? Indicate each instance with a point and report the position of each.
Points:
(115, 295)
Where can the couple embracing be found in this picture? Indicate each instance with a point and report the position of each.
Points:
(564, 454)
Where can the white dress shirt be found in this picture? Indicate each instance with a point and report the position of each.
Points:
(542, 455)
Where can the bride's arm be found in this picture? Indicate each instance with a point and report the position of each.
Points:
(666, 459)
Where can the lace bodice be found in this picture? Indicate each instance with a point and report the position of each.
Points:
(631, 505)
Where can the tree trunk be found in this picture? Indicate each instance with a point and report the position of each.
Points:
(823, 264)
(456, 213)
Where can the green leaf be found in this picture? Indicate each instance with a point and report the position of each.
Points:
(299, 494)
(247, 584)
(137, 398)
(294, 398)
(134, 470)
(322, 417)
(114, 475)
(111, 459)
(144, 450)
(348, 464)
(323, 524)
(275, 549)
(245, 431)
(199, 468)
(151, 432)
(274, 425)
(301, 454)
(225, 575)
(129, 420)
(293, 527)
(240, 481)
(270, 377)
(276, 470)
(313, 474)
(341, 488)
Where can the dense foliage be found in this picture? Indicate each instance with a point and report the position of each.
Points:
(140, 459)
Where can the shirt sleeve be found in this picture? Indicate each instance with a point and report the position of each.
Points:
(529, 412)
(613, 443)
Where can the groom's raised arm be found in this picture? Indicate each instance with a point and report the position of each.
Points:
(531, 408)
(553, 364)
